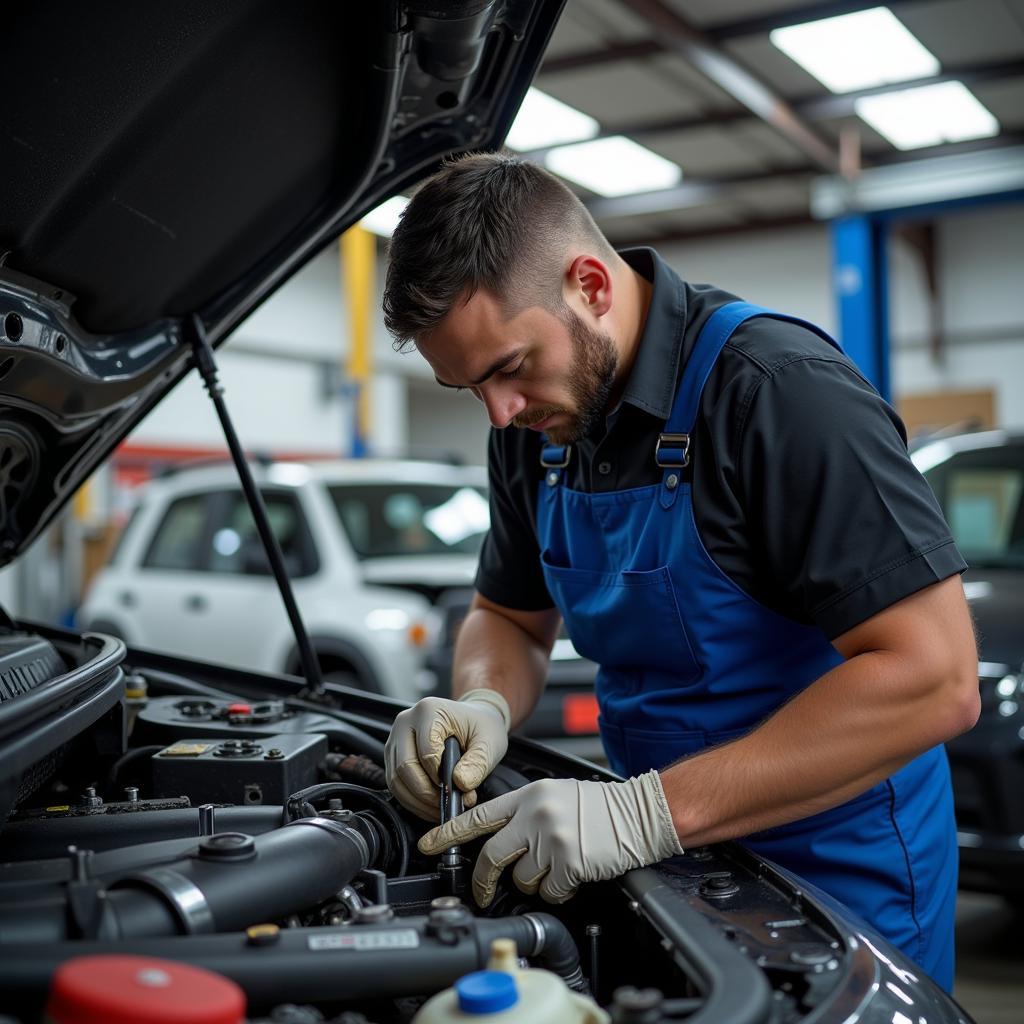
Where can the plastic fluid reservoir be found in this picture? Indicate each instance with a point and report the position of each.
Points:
(505, 993)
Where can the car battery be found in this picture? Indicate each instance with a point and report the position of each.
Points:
(240, 771)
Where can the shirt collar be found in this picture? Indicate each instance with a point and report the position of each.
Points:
(652, 381)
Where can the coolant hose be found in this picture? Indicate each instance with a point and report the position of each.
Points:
(406, 956)
(232, 881)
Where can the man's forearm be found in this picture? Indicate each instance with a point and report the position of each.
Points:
(493, 651)
(852, 728)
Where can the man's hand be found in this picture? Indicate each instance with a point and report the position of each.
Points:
(562, 833)
(479, 720)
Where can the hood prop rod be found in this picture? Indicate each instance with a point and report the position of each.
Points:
(207, 367)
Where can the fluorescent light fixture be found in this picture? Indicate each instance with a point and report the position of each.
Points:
(856, 51)
(927, 116)
(383, 220)
(543, 121)
(615, 166)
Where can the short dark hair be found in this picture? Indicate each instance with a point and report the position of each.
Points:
(482, 221)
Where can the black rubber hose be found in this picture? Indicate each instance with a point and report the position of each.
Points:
(403, 957)
(542, 936)
(297, 803)
(359, 742)
(233, 882)
(181, 684)
(39, 838)
(126, 759)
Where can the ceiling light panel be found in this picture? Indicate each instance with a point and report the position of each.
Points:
(543, 121)
(857, 51)
(615, 166)
(928, 116)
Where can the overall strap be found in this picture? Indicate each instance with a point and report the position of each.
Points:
(554, 458)
(672, 452)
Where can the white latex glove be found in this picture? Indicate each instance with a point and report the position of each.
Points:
(562, 832)
(480, 721)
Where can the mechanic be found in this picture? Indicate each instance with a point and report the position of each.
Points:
(723, 511)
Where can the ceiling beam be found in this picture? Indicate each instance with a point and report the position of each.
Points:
(752, 225)
(813, 108)
(905, 156)
(920, 183)
(689, 194)
(609, 54)
(844, 104)
(701, 191)
(681, 38)
(765, 23)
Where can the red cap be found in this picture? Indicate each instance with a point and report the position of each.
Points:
(240, 708)
(141, 990)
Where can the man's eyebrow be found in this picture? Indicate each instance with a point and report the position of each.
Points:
(498, 364)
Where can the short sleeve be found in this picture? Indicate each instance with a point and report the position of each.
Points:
(841, 521)
(509, 572)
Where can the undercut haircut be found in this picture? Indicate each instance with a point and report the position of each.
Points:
(483, 221)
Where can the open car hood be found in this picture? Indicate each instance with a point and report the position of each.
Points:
(171, 165)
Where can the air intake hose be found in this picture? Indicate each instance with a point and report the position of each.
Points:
(232, 881)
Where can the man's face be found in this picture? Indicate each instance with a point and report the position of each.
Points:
(544, 370)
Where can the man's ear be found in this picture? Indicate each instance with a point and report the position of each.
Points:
(589, 280)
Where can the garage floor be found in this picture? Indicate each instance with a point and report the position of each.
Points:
(990, 960)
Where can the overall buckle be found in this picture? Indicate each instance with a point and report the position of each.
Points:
(672, 450)
(551, 453)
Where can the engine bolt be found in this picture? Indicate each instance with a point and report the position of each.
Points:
(445, 903)
(637, 1006)
(132, 792)
(375, 913)
(718, 884)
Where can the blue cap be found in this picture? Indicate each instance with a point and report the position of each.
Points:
(486, 992)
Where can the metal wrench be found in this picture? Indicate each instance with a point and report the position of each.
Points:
(451, 797)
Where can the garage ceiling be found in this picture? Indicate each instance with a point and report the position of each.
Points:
(700, 83)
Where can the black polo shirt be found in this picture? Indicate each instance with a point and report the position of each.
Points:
(803, 492)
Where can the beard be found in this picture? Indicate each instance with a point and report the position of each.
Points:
(591, 381)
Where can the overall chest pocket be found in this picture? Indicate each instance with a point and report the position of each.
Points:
(627, 620)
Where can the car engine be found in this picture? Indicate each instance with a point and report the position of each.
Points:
(230, 821)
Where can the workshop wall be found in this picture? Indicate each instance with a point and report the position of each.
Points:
(283, 372)
(283, 368)
(785, 270)
(980, 269)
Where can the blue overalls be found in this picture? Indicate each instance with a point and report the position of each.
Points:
(689, 660)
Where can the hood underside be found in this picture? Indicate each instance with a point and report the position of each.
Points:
(168, 166)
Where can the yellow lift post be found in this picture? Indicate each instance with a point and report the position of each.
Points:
(358, 253)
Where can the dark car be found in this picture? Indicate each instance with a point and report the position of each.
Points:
(170, 165)
(979, 482)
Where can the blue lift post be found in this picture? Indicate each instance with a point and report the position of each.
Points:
(860, 279)
(861, 211)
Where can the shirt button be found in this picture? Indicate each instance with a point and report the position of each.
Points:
(604, 468)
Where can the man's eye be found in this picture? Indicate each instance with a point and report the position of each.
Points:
(514, 373)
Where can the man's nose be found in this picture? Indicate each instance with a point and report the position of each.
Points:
(502, 404)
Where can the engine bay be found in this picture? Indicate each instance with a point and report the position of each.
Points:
(224, 820)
